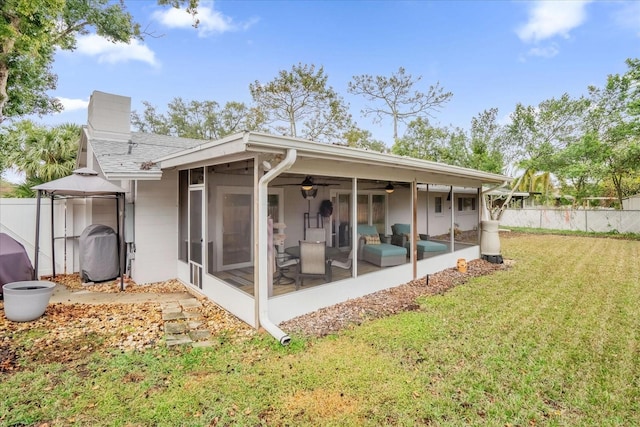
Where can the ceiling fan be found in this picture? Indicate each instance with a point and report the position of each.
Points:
(390, 187)
(307, 184)
(308, 187)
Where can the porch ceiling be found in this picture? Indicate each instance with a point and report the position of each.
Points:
(376, 172)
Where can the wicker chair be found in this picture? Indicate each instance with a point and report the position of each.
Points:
(313, 262)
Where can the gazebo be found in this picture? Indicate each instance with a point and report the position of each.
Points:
(83, 182)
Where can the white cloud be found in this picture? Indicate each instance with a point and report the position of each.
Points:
(544, 52)
(112, 53)
(210, 21)
(548, 19)
(73, 104)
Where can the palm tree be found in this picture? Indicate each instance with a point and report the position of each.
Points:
(42, 154)
(533, 181)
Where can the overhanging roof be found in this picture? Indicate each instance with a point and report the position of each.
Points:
(338, 160)
(133, 159)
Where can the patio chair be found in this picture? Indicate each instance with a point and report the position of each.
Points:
(315, 234)
(344, 264)
(372, 250)
(401, 237)
(313, 262)
(284, 263)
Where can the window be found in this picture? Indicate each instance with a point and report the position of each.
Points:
(372, 210)
(197, 176)
(438, 204)
(466, 204)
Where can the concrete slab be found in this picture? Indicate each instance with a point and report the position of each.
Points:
(176, 328)
(169, 305)
(200, 335)
(169, 310)
(173, 316)
(202, 344)
(194, 324)
(61, 294)
(190, 303)
(193, 315)
(178, 339)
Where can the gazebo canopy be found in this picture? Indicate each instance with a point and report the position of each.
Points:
(83, 182)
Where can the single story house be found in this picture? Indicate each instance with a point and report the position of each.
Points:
(216, 214)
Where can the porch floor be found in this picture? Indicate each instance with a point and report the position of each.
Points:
(242, 278)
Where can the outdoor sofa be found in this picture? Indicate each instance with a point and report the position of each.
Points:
(401, 237)
(371, 249)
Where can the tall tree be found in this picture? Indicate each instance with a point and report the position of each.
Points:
(197, 119)
(537, 133)
(487, 150)
(439, 144)
(362, 138)
(31, 31)
(41, 153)
(299, 102)
(612, 126)
(395, 97)
(580, 167)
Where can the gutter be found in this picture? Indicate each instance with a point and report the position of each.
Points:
(263, 279)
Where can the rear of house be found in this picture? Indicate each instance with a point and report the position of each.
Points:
(217, 214)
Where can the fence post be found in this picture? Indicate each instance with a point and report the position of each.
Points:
(586, 227)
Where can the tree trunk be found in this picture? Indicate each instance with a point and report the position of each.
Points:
(6, 48)
(617, 183)
(395, 127)
(4, 76)
(292, 124)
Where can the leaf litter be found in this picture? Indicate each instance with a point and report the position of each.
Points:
(71, 332)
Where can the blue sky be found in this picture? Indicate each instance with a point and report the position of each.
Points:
(488, 53)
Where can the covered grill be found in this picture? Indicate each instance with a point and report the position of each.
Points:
(98, 253)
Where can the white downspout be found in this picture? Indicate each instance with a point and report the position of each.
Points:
(263, 262)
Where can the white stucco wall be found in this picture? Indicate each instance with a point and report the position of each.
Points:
(631, 203)
(103, 211)
(436, 224)
(573, 219)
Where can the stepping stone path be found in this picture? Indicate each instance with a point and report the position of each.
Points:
(183, 323)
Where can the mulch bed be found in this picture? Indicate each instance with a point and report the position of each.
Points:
(332, 319)
(71, 332)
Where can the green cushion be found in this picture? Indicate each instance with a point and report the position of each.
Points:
(427, 246)
(402, 228)
(367, 230)
(385, 249)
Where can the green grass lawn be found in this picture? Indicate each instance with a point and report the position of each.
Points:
(552, 341)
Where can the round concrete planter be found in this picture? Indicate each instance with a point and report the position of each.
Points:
(26, 301)
(490, 239)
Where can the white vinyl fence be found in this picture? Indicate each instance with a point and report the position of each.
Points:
(574, 219)
(18, 220)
